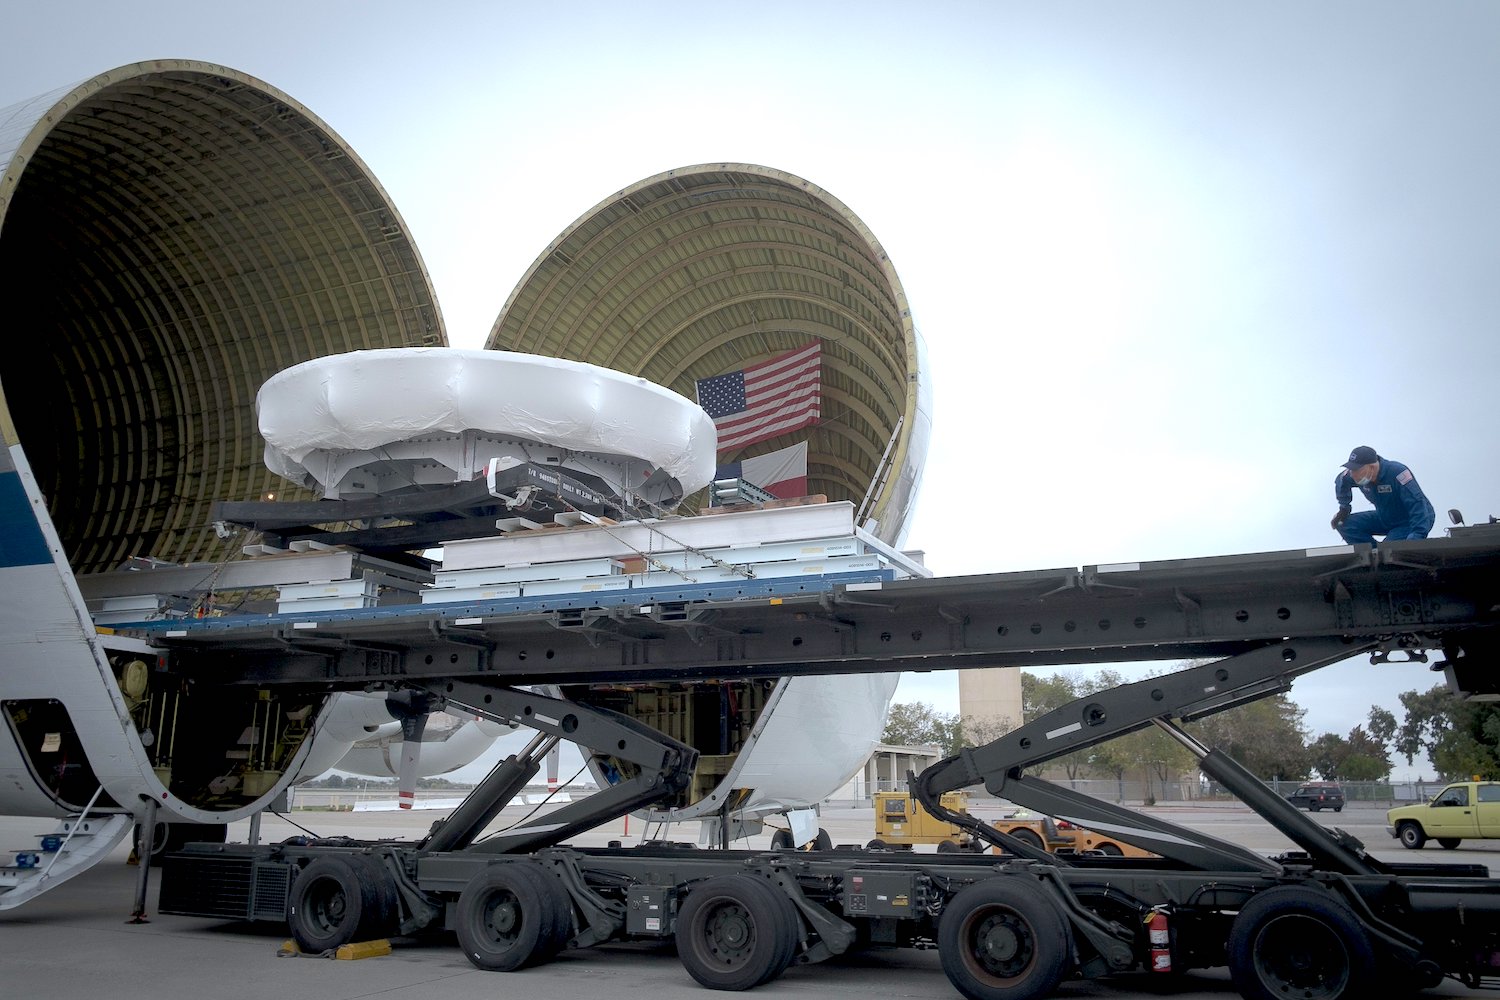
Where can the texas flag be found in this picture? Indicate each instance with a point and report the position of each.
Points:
(782, 473)
(765, 400)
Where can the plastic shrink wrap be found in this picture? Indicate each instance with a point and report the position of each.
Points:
(367, 399)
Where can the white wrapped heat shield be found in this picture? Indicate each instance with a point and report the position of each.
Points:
(368, 399)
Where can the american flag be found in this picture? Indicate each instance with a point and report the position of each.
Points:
(765, 400)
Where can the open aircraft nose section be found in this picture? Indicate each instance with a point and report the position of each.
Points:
(172, 234)
(714, 267)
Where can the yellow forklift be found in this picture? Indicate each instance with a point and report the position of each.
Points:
(901, 823)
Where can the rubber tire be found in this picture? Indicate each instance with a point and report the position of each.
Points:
(511, 915)
(1312, 808)
(822, 842)
(947, 847)
(384, 919)
(1338, 809)
(877, 845)
(561, 931)
(1299, 928)
(1110, 850)
(781, 840)
(1411, 836)
(736, 932)
(333, 901)
(1031, 926)
(1030, 837)
(1449, 843)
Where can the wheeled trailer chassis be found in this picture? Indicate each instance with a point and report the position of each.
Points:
(1328, 922)
(1005, 927)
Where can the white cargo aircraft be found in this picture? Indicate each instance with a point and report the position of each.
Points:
(91, 736)
(157, 291)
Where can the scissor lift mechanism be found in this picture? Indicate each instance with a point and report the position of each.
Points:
(1262, 619)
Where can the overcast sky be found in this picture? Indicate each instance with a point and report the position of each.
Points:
(1172, 260)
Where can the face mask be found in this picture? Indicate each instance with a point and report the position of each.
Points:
(1365, 481)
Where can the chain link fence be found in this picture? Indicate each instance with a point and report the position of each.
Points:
(1135, 791)
(1188, 790)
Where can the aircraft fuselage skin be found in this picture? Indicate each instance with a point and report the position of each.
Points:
(68, 731)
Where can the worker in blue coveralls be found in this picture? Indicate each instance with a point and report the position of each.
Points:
(1401, 511)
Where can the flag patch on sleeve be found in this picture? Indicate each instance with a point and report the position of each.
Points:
(1404, 478)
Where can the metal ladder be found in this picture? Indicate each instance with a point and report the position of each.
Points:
(78, 843)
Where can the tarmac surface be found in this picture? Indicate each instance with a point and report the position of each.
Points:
(75, 941)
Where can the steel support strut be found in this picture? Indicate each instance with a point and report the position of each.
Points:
(1187, 694)
(145, 842)
(662, 767)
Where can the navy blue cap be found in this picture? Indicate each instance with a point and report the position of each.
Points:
(1361, 456)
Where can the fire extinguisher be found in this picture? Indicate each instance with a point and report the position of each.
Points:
(1161, 940)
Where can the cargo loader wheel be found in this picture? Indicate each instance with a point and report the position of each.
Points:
(333, 901)
(1295, 941)
(510, 915)
(384, 917)
(1003, 939)
(736, 932)
(562, 915)
(781, 840)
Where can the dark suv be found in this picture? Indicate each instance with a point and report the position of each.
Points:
(1315, 795)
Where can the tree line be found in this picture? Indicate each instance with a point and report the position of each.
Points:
(1461, 738)
(355, 782)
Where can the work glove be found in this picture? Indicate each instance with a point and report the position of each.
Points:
(1339, 518)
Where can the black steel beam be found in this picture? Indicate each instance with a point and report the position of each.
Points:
(1422, 595)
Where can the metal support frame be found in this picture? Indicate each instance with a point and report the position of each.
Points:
(1264, 617)
(1187, 694)
(663, 768)
(422, 518)
(1437, 591)
(145, 840)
